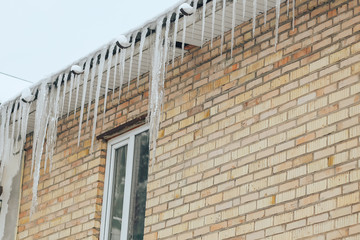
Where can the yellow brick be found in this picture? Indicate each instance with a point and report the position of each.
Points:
(280, 81)
(346, 221)
(339, 55)
(180, 228)
(273, 57)
(317, 144)
(261, 89)
(285, 196)
(299, 72)
(325, 206)
(173, 112)
(338, 95)
(203, 115)
(348, 199)
(186, 122)
(338, 137)
(316, 124)
(340, 115)
(299, 91)
(316, 187)
(227, 233)
(304, 212)
(255, 66)
(243, 97)
(319, 64)
(245, 228)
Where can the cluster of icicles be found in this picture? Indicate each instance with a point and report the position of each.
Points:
(50, 101)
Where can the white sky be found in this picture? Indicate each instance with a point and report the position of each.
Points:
(41, 37)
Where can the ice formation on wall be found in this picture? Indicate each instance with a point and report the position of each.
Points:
(51, 93)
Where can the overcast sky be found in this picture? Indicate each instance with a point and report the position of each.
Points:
(41, 37)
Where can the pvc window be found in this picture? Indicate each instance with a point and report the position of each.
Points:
(123, 212)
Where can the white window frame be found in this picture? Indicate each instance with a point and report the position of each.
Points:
(115, 143)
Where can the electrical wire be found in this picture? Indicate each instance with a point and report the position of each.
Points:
(15, 77)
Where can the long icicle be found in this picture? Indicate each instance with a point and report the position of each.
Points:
(265, 11)
(141, 47)
(93, 73)
(175, 34)
(64, 92)
(166, 43)
(97, 96)
(293, 14)
(203, 22)
(233, 26)
(213, 21)
(121, 70)
(243, 8)
(183, 38)
(194, 18)
(70, 91)
(277, 21)
(115, 70)
(254, 17)
(222, 26)
(131, 57)
(77, 92)
(110, 56)
(157, 89)
(287, 7)
(86, 75)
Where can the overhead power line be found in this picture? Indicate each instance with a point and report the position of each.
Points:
(24, 80)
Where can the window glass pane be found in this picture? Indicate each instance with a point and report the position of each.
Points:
(118, 192)
(139, 182)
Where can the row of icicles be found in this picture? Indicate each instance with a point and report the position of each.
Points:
(50, 98)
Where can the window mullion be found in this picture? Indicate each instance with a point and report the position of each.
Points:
(127, 190)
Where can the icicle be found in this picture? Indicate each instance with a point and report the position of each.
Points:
(131, 56)
(287, 7)
(97, 96)
(64, 92)
(3, 110)
(24, 121)
(41, 122)
(222, 26)
(244, 7)
(49, 150)
(183, 38)
(175, 34)
(213, 22)
(15, 115)
(18, 127)
(115, 70)
(110, 56)
(70, 91)
(277, 21)
(142, 42)
(86, 75)
(265, 10)
(293, 13)
(203, 22)
(233, 26)
(122, 70)
(166, 43)
(157, 90)
(6, 143)
(194, 18)
(93, 73)
(77, 77)
(254, 17)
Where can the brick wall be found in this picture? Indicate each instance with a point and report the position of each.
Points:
(263, 145)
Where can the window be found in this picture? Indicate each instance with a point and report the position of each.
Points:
(126, 174)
